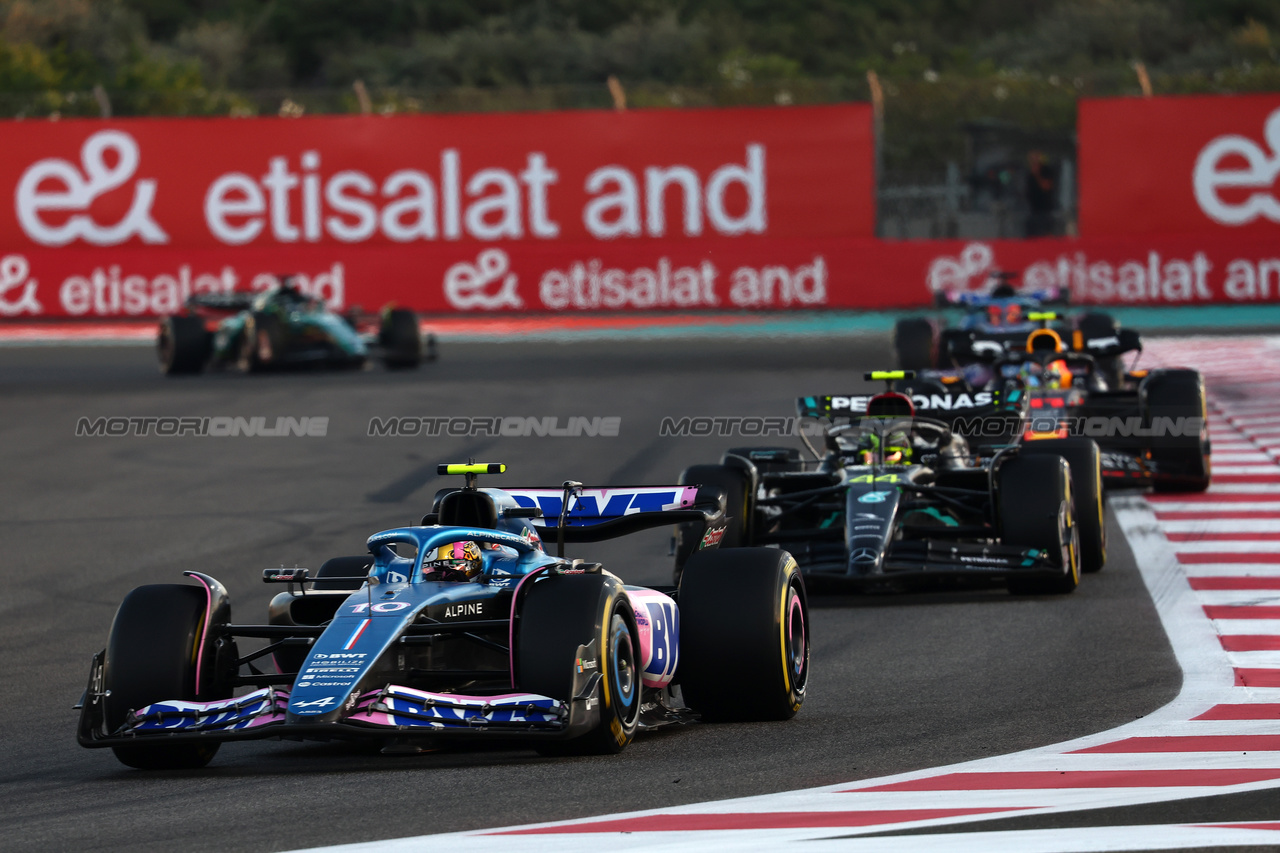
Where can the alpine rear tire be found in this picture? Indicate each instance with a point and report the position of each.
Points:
(559, 615)
(744, 635)
(736, 486)
(343, 573)
(152, 654)
(1036, 511)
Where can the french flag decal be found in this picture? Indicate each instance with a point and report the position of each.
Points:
(355, 635)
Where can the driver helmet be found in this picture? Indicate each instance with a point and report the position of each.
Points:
(456, 561)
(1054, 376)
(977, 375)
(1004, 315)
(290, 292)
(897, 448)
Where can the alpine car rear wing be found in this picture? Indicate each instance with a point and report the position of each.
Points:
(598, 514)
(578, 514)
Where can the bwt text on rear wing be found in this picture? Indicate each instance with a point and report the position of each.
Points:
(598, 514)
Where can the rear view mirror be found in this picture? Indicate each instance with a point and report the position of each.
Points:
(1130, 340)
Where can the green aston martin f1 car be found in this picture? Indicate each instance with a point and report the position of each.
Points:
(284, 327)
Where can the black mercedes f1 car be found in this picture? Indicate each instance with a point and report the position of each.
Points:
(899, 497)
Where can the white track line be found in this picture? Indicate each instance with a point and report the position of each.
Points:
(1221, 525)
(1234, 570)
(1258, 627)
(1240, 597)
(1227, 546)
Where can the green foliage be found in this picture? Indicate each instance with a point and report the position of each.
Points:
(26, 68)
(942, 62)
(55, 52)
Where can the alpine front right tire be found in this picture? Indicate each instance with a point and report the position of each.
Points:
(152, 655)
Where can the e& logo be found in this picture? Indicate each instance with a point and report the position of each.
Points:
(1259, 172)
(465, 285)
(73, 190)
(13, 274)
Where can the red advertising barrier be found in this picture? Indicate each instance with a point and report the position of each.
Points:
(723, 275)
(1183, 165)
(649, 209)
(662, 210)
(1163, 270)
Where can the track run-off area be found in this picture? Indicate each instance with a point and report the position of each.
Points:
(1141, 712)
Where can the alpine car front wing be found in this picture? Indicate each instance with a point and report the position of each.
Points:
(393, 710)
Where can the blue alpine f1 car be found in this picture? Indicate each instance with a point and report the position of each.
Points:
(463, 627)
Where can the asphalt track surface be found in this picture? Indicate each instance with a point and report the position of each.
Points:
(899, 682)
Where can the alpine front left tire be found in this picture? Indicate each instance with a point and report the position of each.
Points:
(559, 615)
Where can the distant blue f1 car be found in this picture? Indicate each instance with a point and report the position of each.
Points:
(463, 627)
